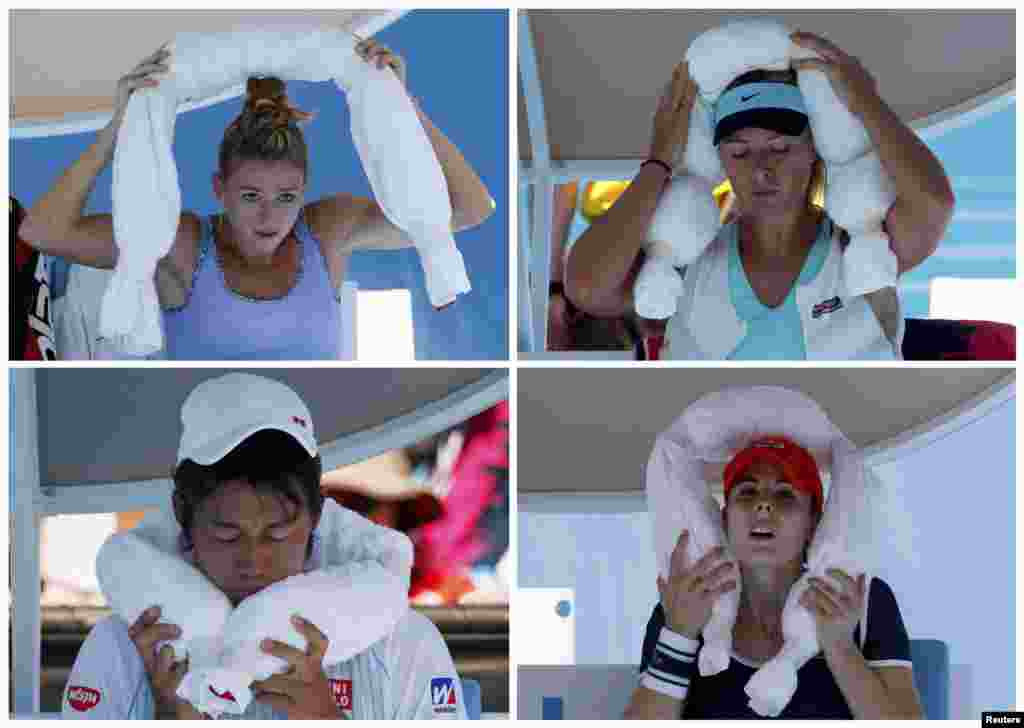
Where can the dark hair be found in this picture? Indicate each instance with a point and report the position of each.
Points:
(816, 189)
(271, 461)
(266, 130)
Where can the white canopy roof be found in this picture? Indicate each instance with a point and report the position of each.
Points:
(65, 63)
(600, 71)
(591, 430)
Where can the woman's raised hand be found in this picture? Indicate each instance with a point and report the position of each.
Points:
(142, 76)
(380, 55)
(691, 590)
(672, 118)
(836, 611)
(854, 86)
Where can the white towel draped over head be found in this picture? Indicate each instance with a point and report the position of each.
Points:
(707, 435)
(355, 595)
(393, 147)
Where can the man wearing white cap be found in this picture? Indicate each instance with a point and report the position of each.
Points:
(248, 502)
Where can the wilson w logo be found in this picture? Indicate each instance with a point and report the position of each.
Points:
(442, 694)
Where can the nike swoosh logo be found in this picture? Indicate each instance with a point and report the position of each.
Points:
(748, 98)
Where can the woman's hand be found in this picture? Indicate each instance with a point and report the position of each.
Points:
(835, 611)
(672, 118)
(852, 83)
(142, 76)
(690, 592)
(303, 691)
(380, 55)
(164, 674)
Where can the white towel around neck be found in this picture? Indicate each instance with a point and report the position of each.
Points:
(355, 596)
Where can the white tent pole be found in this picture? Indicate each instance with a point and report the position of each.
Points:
(526, 332)
(25, 528)
(544, 187)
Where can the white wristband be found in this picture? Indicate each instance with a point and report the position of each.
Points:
(672, 665)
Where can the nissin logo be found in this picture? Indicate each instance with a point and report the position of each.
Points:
(442, 694)
(83, 699)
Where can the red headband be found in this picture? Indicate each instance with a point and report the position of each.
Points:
(796, 463)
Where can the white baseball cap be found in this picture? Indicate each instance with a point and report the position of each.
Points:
(221, 412)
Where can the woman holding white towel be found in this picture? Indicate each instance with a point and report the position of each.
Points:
(741, 296)
(773, 503)
(261, 279)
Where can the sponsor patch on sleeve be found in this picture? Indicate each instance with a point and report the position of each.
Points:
(82, 698)
(342, 692)
(442, 696)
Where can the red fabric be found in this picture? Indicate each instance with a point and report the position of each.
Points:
(951, 340)
(456, 541)
(992, 341)
(797, 464)
(31, 332)
(653, 346)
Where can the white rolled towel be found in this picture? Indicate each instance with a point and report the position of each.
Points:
(393, 147)
(722, 54)
(135, 575)
(679, 498)
(858, 197)
(356, 597)
(685, 221)
(353, 605)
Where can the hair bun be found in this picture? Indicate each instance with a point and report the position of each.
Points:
(268, 96)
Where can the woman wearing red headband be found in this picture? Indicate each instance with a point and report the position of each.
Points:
(773, 502)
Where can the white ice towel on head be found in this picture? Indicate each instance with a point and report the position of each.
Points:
(393, 147)
(708, 434)
(720, 55)
(355, 597)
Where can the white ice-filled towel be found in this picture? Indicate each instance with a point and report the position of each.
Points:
(678, 498)
(691, 452)
(684, 223)
(394, 149)
(355, 596)
(858, 196)
(855, 183)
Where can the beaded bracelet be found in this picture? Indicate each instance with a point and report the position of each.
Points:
(673, 666)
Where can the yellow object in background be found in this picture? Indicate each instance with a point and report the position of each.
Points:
(599, 196)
